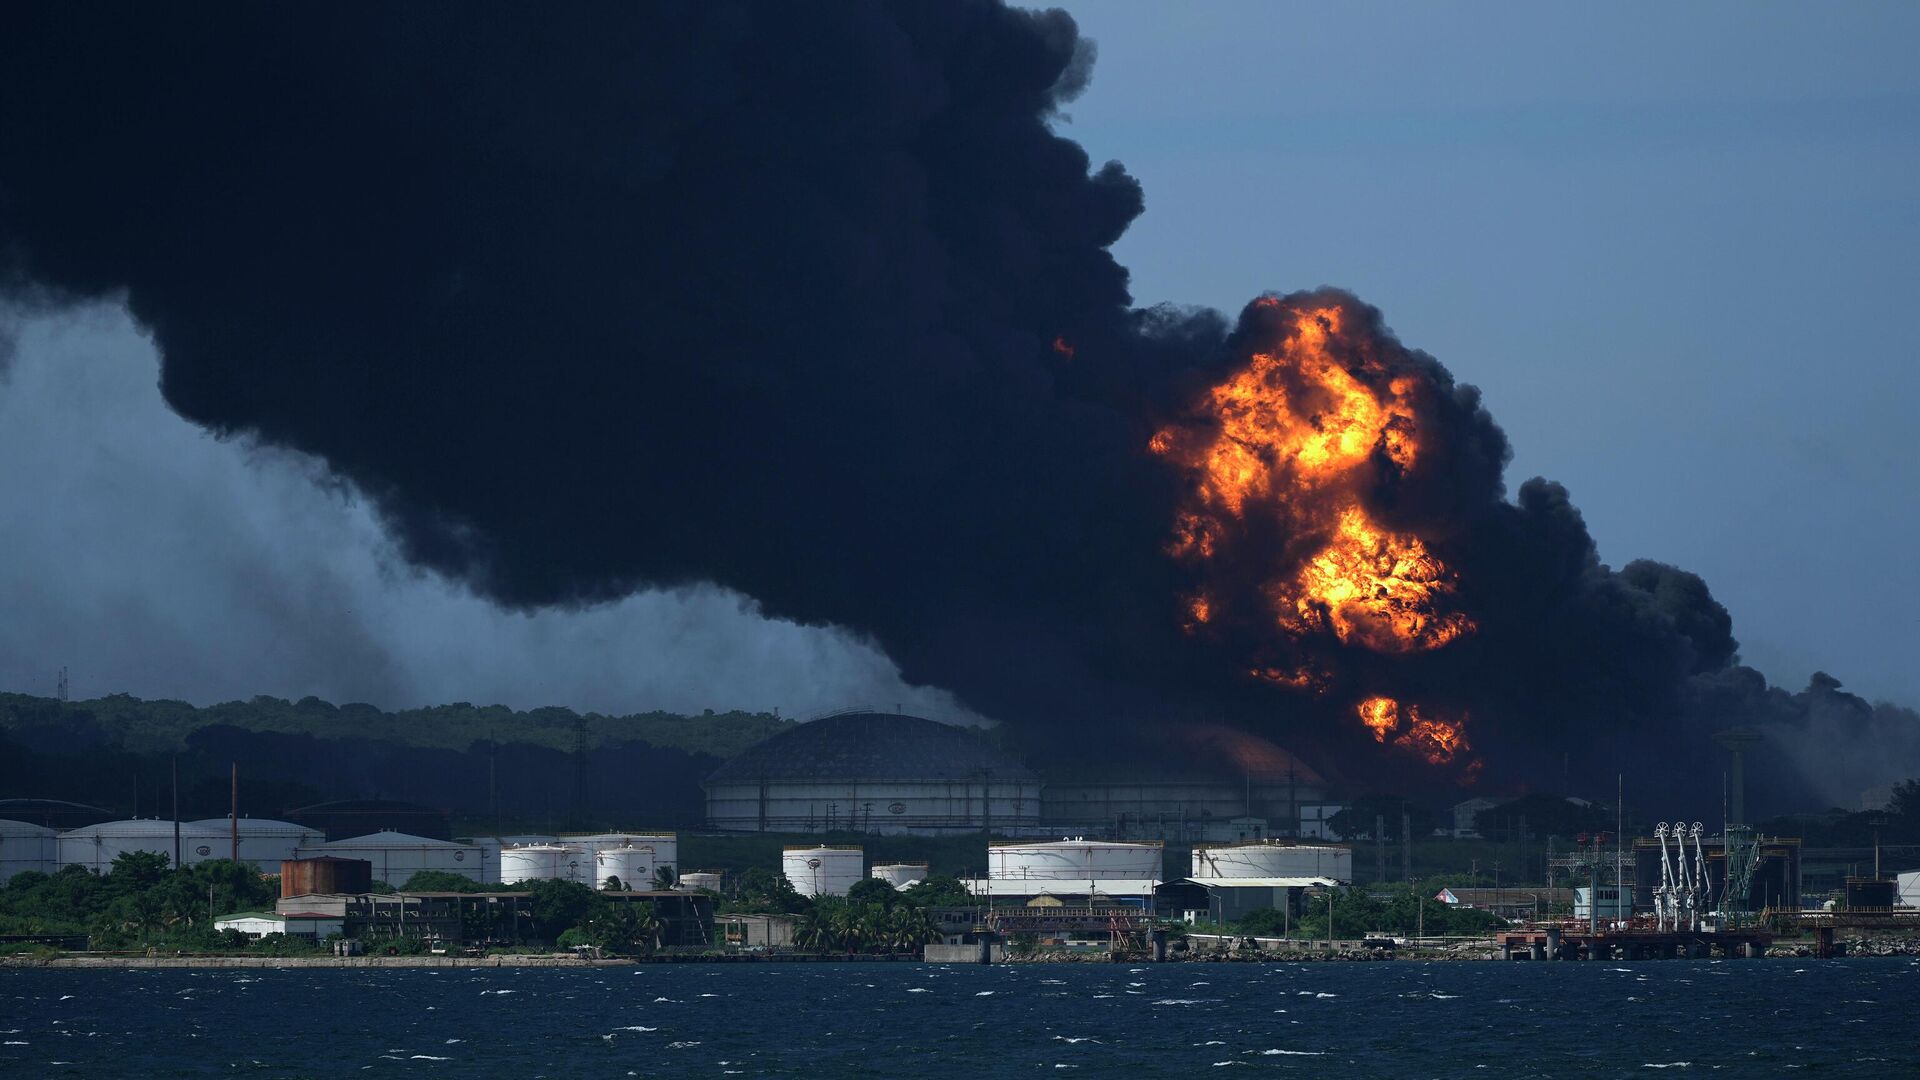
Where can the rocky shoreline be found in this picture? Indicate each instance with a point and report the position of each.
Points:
(119, 962)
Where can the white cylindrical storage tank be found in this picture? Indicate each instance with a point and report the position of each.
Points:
(396, 857)
(901, 874)
(25, 846)
(823, 871)
(263, 842)
(632, 865)
(96, 846)
(543, 862)
(694, 880)
(1074, 860)
(665, 845)
(1268, 859)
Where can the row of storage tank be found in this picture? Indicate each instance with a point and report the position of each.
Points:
(634, 858)
(832, 871)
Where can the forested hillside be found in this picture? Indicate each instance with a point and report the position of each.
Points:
(139, 725)
(545, 768)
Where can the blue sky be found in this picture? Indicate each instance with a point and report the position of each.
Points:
(1674, 244)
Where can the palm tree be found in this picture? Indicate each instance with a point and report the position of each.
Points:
(908, 928)
(810, 932)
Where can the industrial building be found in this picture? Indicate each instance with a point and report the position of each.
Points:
(307, 924)
(871, 772)
(1907, 889)
(396, 857)
(456, 918)
(755, 931)
(892, 774)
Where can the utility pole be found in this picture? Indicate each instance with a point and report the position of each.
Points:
(1406, 844)
(1379, 847)
(1619, 845)
(1329, 921)
(176, 811)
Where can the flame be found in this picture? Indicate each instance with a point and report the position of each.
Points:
(1199, 611)
(1289, 446)
(1292, 435)
(1374, 588)
(1063, 347)
(1437, 740)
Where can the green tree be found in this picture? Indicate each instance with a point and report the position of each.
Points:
(664, 878)
(441, 881)
(763, 892)
(557, 906)
(1906, 800)
(940, 891)
(873, 891)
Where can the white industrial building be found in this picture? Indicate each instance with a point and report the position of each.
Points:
(398, 856)
(823, 871)
(25, 846)
(1908, 889)
(308, 924)
(873, 772)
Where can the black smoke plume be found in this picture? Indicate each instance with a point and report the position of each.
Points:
(806, 300)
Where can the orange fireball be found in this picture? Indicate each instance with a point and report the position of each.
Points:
(1291, 436)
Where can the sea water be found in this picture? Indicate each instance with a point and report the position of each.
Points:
(1744, 1018)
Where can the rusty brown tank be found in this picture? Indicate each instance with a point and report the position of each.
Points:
(302, 877)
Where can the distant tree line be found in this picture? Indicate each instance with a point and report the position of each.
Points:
(540, 770)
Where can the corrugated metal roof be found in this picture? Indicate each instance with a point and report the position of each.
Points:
(870, 746)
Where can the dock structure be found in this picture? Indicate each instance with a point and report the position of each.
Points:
(1580, 942)
(1127, 928)
(1824, 924)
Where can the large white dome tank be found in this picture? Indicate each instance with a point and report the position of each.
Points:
(632, 865)
(823, 871)
(96, 846)
(25, 846)
(901, 875)
(263, 842)
(545, 862)
(1074, 860)
(1268, 859)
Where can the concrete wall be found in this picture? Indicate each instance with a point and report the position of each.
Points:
(978, 952)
